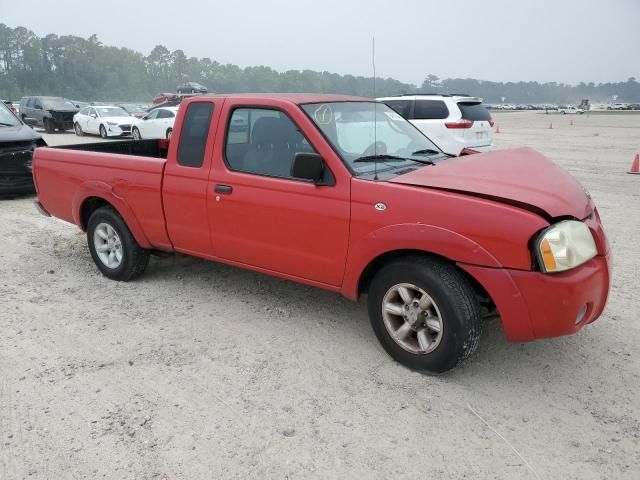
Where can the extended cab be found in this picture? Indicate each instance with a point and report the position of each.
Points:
(344, 194)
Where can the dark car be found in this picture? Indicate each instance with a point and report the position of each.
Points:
(17, 142)
(191, 88)
(50, 113)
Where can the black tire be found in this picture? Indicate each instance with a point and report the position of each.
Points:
(49, 126)
(455, 298)
(103, 131)
(134, 258)
(169, 132)
(563, 113)
(135, 133)
(78, 129)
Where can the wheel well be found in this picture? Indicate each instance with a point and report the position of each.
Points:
(377, 263)
(89, 206)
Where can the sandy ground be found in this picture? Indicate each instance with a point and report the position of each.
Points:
(201, 371)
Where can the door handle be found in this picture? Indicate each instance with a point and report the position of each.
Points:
(223, 189)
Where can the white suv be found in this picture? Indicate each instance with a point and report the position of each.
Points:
(452, 122)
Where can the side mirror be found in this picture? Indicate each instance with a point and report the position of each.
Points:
(308, 166)
(93, 115)
(30, 121)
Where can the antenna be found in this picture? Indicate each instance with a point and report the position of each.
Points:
(375, 109)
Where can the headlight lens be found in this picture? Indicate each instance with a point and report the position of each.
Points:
(564, 246)
(112, 123)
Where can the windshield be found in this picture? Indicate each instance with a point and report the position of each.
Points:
(362, 131)
(7, 118)
(59, 104)
(111, 112)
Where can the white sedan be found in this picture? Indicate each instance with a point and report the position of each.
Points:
(158, 123)
(103, 120)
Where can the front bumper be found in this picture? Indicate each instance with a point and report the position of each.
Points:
(537, 305)
(118, 130)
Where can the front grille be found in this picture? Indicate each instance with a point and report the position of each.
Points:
(125, 127)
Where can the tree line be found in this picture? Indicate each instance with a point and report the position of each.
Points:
(85, 69)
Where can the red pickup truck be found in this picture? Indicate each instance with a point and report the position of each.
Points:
(344, 194)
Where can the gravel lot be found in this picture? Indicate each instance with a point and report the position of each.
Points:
(200, 371)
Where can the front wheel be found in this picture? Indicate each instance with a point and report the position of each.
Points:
(49, 126)
(425, 314)
(169, 133)
(113, 248)
(103, 131)
(135, 133)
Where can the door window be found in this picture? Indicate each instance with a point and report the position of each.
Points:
(165, 114)
(430, 110)
(264, 142)
(152, 115)
(193, 137)
(403, 107)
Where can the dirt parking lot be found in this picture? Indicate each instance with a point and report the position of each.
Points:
(201, 371)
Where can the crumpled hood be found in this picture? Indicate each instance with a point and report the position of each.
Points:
(520, 176)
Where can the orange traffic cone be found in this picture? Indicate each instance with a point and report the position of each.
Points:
(497, 128)
(551, 126)
(635, 166)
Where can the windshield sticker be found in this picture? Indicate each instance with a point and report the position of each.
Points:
(323, 115)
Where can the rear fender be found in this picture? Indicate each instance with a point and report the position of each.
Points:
(418, 237)
(115, 196)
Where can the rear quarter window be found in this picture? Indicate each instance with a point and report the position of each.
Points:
(193, 137)
(474, 111)
(430, 110)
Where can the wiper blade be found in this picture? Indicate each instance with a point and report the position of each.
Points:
(431, 151)
(393, 158)
(374, 158)
(7, 124)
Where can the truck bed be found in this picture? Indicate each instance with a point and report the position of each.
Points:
(131, 170)
(138, 148)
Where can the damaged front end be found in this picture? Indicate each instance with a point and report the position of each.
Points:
(63, 120)
(16, 163)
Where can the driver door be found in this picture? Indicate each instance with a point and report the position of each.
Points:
(146, 125)
(93, 122)
(263, 217)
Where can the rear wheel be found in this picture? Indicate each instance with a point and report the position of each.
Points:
(103, 131)
(424, 312)
(169, 133)
(113, 248)
(135, 133)
(78, 129)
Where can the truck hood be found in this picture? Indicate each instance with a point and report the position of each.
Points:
(522, 177)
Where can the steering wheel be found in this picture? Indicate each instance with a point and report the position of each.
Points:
(376, 148)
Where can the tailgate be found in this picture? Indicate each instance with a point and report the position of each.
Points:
(479, 134)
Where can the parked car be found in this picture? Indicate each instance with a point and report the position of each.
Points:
(17, 142)
(103, 120)
(133, 109)
(452, 122)
(158, 123)
(564, 109)
(344, 194)
(191, 88)
(50, 113)
(617, 106)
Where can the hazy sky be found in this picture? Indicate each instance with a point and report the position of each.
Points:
(544, 40)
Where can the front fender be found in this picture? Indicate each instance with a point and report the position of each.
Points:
(413, 236)
(114, 195)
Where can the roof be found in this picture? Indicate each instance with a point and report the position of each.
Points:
(297, 98)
